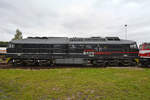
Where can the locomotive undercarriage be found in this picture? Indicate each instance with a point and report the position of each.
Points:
(144, 62)
(59, 59)
(114, 62)
(32, 62)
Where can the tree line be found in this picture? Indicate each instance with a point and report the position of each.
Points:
(17, 36)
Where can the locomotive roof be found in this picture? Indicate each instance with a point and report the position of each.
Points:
(66, 40)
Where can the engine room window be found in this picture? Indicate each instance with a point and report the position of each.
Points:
(18, 46)
(11, 46)
(59, 46)
(30, 46)
(76, 46)
(44, 46)
(114, 46)
(90, 46)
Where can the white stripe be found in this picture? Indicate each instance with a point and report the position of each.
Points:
(144, 51)
(2, 48)
(144, 57)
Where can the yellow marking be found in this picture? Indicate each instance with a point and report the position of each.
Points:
(8, 59)
(137, 60)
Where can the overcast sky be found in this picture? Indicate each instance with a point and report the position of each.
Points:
(74, 18)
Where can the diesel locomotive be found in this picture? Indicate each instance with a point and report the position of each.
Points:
(96, 51)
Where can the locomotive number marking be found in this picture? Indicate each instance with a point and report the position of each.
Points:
(91, 54)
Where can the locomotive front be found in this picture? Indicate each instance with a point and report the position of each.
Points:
(144, 54)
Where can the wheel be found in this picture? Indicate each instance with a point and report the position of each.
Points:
(113, 63)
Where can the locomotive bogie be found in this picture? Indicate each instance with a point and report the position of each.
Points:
(144, 62)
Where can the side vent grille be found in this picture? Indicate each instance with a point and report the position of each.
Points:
(92, 39)
(37, 37)
(112, 38)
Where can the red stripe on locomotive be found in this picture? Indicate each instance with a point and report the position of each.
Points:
(108, 53)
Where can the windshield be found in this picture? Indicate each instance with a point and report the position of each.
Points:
(133, 46)
(147, 46)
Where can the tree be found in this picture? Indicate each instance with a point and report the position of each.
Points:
(18, 35)
(3, 44)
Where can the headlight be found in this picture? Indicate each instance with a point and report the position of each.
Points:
(125, 55)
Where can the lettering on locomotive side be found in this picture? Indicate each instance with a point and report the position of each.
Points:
(90, 53)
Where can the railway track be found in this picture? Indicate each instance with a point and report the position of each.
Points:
(6, 66)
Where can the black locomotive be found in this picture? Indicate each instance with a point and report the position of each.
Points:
(62, 50)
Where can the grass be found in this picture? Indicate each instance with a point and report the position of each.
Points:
(75, 84)
(2, 60)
